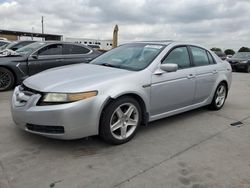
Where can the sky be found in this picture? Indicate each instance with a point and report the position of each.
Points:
(212, 23)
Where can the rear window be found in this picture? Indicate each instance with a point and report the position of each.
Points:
(74, 49)
(199, 56)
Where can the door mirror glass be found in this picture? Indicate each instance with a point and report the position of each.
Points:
(170, 67)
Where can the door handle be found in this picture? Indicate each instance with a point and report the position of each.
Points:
(190, 76)
(215, 71)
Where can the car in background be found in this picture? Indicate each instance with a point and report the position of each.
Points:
(16, 45)
(39, 56)
(229, 57)
(4, 43)
(240, 61)
(2, 38)
(221, 55)
(114, 94)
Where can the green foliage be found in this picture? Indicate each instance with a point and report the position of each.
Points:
(216, 49)
(229, 52)
(244, 49)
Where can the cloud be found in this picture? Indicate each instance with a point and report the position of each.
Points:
(210, 22)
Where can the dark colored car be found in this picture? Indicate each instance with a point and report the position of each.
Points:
(39, 56)
(240, 61)
(221, 55)
(17, 45)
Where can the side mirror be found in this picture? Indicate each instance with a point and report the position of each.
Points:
(34, 56)
(169, 67)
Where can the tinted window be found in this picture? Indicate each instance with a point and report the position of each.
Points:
(199, 56)
(178, 56)
(54, 49)
(211, 59)
(74, 49)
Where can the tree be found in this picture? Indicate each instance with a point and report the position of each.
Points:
(229, 52)
(216, 49)
(244, 49)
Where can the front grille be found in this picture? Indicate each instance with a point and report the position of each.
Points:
(233, 62)
(45, 129)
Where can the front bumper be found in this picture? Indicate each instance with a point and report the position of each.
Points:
(64, 121)
(239, 66)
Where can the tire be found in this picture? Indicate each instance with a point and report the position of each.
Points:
(7, 79)
(220, 92)
(248, 69)
(120, 120)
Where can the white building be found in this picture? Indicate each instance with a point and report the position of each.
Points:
(102, 44)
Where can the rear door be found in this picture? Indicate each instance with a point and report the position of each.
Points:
(206, 73)
(48, 57)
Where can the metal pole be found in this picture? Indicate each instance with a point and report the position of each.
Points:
(42, 26)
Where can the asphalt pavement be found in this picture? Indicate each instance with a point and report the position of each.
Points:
(197, 149)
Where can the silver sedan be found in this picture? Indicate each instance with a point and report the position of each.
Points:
(129, 86)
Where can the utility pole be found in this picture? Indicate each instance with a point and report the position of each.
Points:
(42, 26)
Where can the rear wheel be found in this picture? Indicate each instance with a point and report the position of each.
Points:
(120, 120)
(6, 79)
(219, 97)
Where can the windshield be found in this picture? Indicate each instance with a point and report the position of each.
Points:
(135, 56)
(242, 55)
(30, 48)
(11, 45)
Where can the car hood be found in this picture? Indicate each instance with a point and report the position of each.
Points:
(73, 78)
(3, 60)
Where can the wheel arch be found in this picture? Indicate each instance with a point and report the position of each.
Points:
(138, 98)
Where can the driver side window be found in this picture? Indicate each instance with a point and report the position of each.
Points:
(53, 49)
(178, 56)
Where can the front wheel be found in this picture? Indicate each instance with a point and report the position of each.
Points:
(120, 120)
(219, 97)
(6, 79)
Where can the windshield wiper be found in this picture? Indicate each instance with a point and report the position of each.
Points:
(110, 65)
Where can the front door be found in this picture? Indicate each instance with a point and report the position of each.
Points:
(173, 90)
(47, 57)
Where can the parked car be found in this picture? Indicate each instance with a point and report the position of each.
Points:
(240, 61)
(125, 87)
(39, 56)
(16, 45)
(229, 57)
(4, 43)
(221, 55)
(2, 38)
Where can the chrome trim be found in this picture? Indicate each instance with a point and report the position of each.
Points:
(20, 69)
(90, 50)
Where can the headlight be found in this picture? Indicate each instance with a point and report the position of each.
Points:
(244, 61)
(67, 97)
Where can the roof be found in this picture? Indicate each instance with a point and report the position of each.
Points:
(24, 33)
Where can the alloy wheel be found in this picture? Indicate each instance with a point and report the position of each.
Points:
(5, 79)
(220, 96)
(124, 121)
